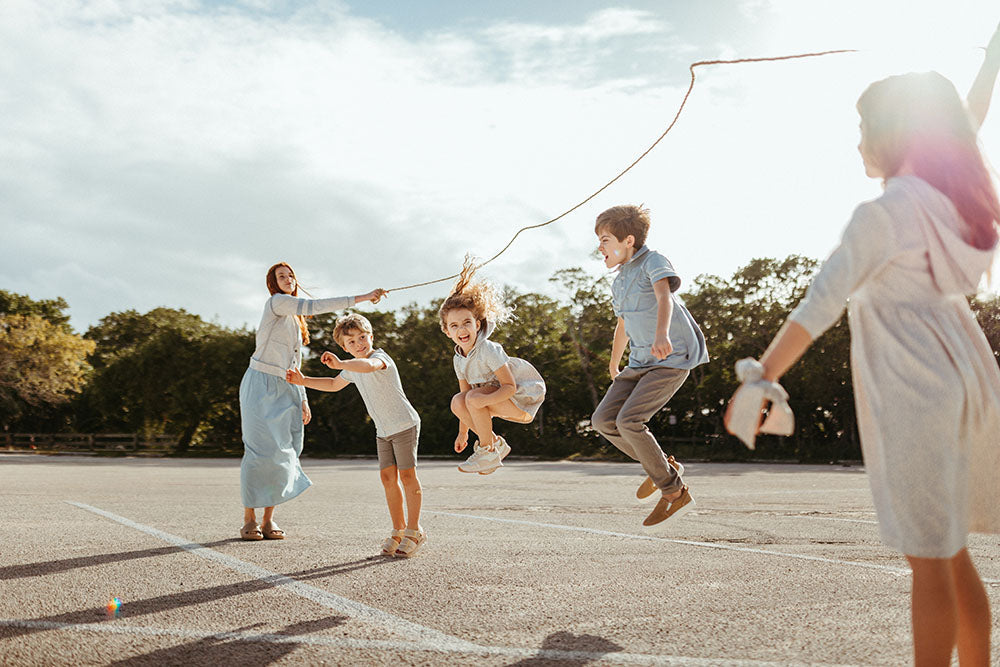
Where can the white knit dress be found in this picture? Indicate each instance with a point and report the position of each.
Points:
(926, 383)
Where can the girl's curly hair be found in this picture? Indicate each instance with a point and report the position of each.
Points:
(479, 297)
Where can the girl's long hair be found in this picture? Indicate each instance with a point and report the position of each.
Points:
(920, 118)
(479, 297)
(272, 287)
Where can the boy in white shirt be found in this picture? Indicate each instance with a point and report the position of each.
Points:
(397, 424)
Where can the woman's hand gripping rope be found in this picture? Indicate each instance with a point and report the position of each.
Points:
(743, 415)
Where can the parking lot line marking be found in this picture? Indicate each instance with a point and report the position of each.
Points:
(693, 543)
(327, 599)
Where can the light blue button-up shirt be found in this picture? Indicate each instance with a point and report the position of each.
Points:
(634, 301)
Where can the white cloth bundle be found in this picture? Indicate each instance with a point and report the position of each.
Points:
(744, 410)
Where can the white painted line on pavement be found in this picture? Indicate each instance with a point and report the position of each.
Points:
(327, 599)
(693, 543)
(399, 646)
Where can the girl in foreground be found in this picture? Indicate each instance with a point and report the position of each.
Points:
(926, 382)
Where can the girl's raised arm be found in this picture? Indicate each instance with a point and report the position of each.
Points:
(981, 91)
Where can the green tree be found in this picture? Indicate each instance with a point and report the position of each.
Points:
(51, 310)
(166, 372)
(41, 364)
(739, 317)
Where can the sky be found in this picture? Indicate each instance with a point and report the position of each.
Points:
(167, 152)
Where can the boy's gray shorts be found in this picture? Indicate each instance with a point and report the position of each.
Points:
(399, 449)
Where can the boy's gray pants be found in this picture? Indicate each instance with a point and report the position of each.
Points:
(633, 398)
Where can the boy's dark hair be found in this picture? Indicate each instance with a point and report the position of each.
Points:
(624, 220)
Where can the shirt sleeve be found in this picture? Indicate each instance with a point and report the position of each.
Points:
(864, 248)
(494, 356)
(384, 358)
(458, 371)
(658, 267)
(347, 375)
(286, 304)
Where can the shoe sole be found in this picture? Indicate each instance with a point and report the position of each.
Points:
(654, 496)
(670, 519)
(481, 472)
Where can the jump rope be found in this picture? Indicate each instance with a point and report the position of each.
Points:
(691, 67)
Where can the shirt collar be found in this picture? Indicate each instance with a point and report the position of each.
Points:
(638, 253)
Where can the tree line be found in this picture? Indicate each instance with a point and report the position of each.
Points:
(170, 372)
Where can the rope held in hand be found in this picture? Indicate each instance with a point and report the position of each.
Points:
(700, 63)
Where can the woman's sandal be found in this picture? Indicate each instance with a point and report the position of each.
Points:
(251, 531)
(411, 543)
(271, 531)
(391, 543)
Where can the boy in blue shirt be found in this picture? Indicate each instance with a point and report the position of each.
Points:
(665, 343)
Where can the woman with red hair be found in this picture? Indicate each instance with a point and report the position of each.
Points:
(272, 411)
(926, 382)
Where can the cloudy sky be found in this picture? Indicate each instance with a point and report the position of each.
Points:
(166, 152)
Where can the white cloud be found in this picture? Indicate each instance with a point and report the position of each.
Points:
(163, 154)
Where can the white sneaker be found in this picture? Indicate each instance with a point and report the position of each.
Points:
(503, 449)
(481, 460)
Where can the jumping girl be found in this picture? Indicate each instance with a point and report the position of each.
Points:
(490, 383)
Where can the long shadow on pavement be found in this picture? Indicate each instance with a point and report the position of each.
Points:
(567, 641)
(54, 566)
(230, 651)
(132, 609)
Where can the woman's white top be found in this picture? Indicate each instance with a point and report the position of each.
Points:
(279, 340)
(926, 382)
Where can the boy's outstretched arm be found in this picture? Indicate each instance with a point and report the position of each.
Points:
(617, 348)
(331, 360)
(981, 91)
(295, 376)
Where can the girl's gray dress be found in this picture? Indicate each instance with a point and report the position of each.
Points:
(479, 370)
(926, 382)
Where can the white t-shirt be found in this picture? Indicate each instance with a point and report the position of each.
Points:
(383, 395)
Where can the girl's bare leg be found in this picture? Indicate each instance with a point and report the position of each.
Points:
(249, 515)
(482, 418)
(393, 496)
(973, 607)
(460, 410)
(933, 611)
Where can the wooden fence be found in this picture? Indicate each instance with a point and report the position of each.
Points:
(98, 443)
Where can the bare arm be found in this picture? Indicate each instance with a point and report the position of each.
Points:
(664, 311)
(618, 348)
(354, 365)
(981, 91)
(295, 376)
(790, 343)
(507, 389)
(462, 439)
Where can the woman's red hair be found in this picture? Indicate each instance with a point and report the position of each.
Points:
(919, 118)
(272, 287)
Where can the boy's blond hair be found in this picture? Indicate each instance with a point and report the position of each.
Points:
(624, 220)
(348, 322)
